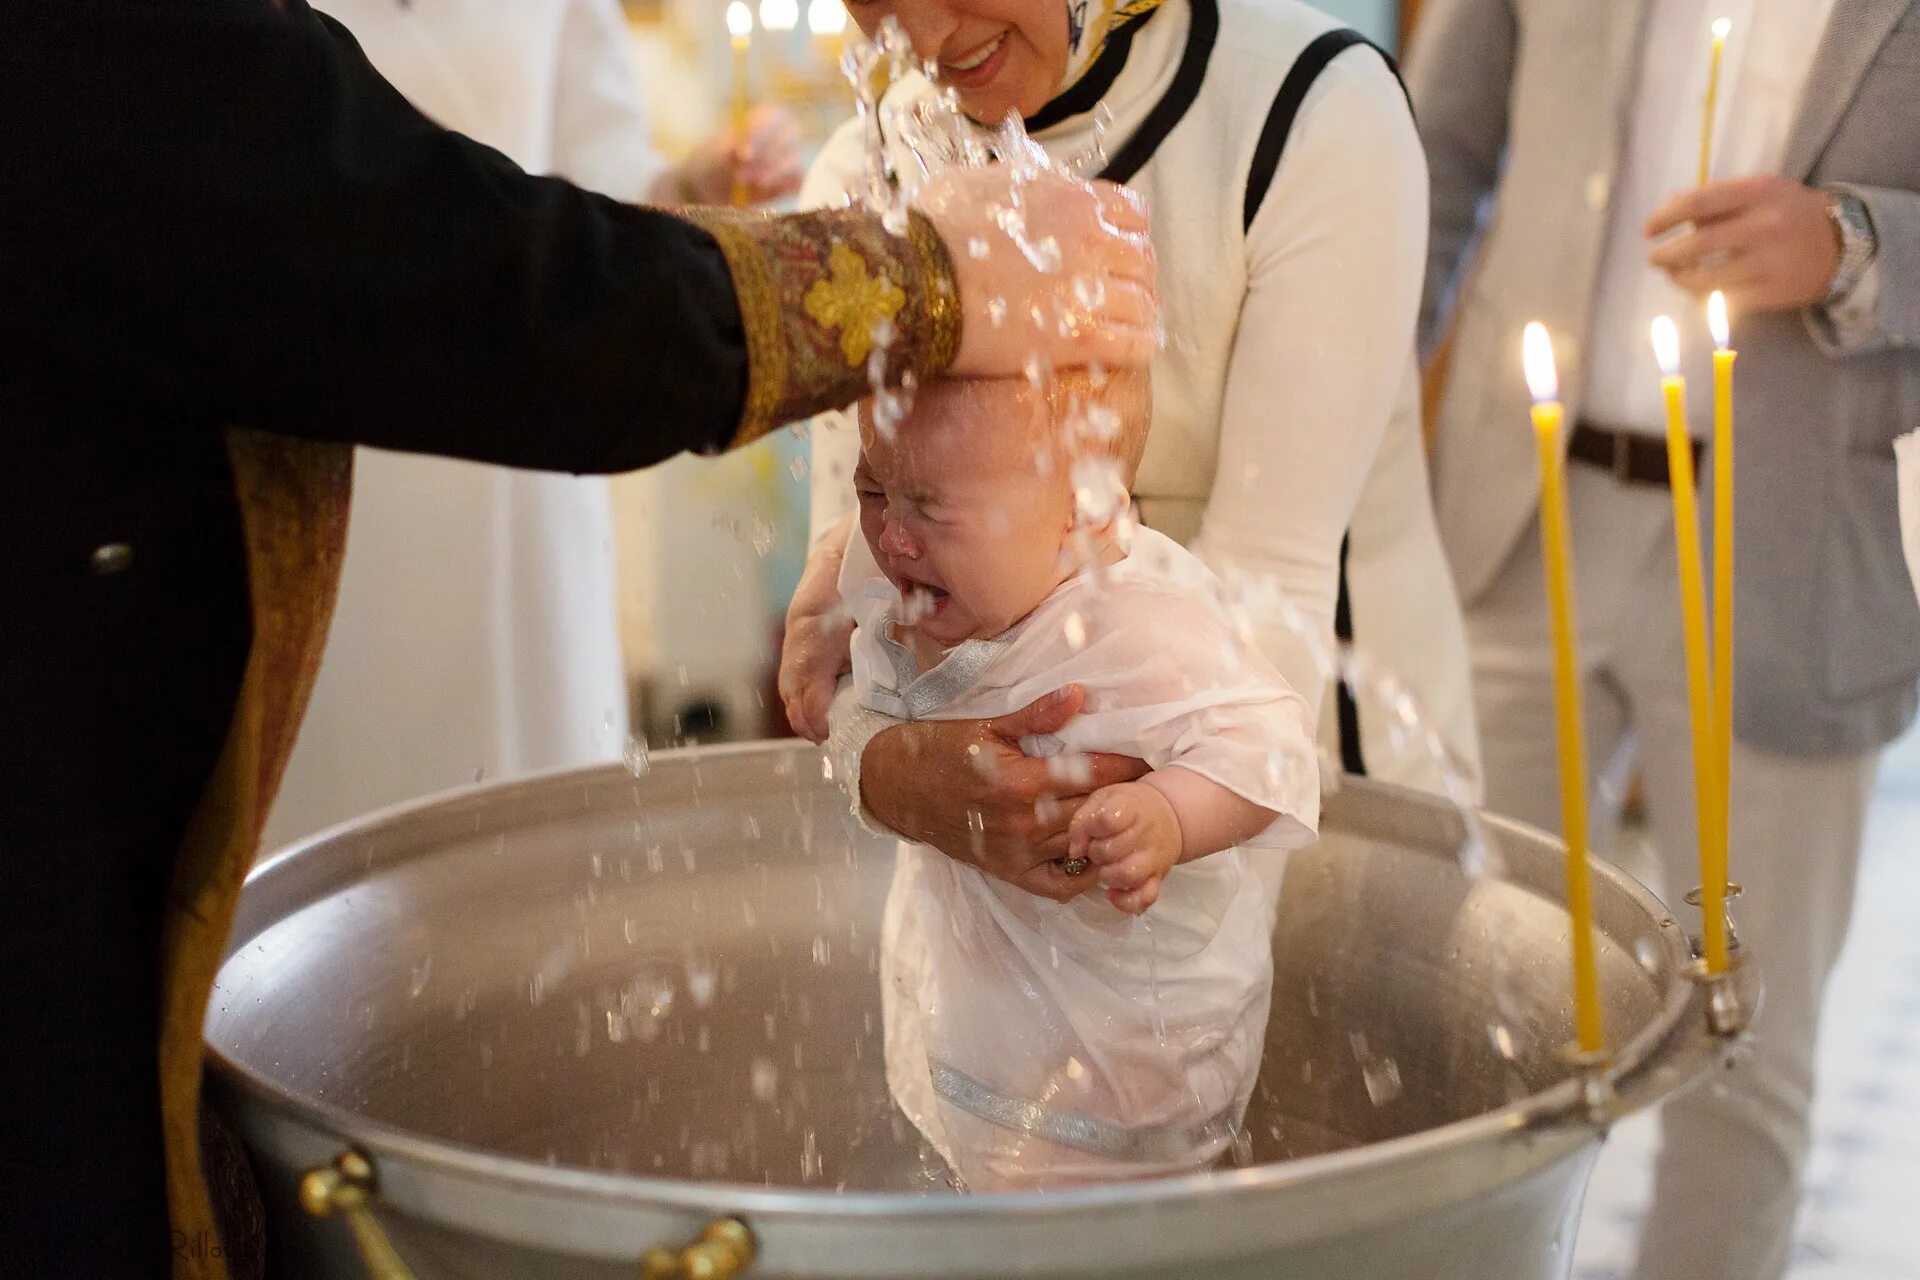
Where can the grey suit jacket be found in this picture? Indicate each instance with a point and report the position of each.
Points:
(1523, 105)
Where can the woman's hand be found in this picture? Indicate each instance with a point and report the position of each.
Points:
(813, 652)
(965, 787)
(765, 159)
(1088, 299)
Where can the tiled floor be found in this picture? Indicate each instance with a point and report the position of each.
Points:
(1861, 1216)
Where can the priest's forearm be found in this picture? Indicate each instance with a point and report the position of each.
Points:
(232, 212)
(813, 288)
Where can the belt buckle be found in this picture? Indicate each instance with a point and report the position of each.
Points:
(1622, 457)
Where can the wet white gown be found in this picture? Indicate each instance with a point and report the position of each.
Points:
(1037, 1043)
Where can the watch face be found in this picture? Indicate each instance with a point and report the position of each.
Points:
(1855, 225)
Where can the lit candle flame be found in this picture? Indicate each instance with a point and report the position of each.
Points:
(1717, 320)
(779, 15)
(1666, 345)
(1722, 27)
(826, 17)
(739, 20)
(1536, 349)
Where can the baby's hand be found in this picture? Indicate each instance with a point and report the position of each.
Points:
(1131, 833)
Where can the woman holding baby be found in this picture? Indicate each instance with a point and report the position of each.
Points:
(1290, 197)
(1038, 1032)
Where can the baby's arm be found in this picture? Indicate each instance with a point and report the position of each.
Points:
(1136, 832)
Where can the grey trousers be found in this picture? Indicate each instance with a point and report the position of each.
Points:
(1728, 1180)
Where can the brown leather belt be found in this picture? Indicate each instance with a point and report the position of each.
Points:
(1632, 456)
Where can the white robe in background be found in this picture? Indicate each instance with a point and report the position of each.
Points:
(1037, 1043)
(477, 629)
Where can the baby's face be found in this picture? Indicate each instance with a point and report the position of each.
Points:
(967, 508)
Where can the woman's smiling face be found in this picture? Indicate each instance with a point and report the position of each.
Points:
(1001, 56)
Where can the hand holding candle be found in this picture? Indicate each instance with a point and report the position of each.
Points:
(1765, 240)
(1543, 381)
(1693, 617)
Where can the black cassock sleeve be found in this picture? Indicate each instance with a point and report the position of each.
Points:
(219, 206)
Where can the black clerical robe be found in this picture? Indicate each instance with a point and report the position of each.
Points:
(214, 216)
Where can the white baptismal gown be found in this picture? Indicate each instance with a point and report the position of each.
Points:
(1038, 1043)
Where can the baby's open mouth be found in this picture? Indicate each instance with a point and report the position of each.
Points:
(922, 600)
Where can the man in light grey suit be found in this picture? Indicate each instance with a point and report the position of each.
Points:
(1564, 142)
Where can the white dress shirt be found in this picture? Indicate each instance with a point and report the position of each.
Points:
(1762, 74)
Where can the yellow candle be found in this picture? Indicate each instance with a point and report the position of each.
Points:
(1721, 26)
(740, 29)
(1693, 617)
(1713, 885)
(1542, 380)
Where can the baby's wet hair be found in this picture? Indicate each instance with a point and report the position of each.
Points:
(1103, 411)
(1074, 413)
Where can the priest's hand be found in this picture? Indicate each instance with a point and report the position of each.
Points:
(813, 650)
(1072, 278)
(965, 787)
(1765, 241)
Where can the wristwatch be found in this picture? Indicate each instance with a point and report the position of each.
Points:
(1858, 242)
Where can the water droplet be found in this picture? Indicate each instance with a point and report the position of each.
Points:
(702, 981)
(1090, 292)
(418, 982)
(1070, 767)
(1381, 1075)
(1075, 630)
(1241, 1150)
(810, 1164)
(766, 1079)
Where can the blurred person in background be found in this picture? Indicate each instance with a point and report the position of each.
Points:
(477, 631)
(1583, 209)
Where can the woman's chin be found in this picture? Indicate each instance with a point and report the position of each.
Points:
(992, 103)
(989, 107)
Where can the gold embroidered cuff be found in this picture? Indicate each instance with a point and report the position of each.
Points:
(813, 288)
